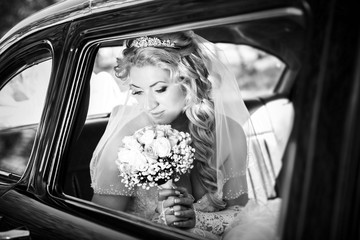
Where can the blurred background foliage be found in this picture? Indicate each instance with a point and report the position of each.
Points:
(13, 11)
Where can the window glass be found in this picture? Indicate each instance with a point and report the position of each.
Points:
(256, 71)
(21, 104)
(105, 89)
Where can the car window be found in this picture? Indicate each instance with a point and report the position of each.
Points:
(257, 73)
(21, 104)
(105, 88)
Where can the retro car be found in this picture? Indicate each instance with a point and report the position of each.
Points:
(296, 66)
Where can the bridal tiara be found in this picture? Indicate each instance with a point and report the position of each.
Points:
(143, 42)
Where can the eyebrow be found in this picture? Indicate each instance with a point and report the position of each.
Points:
(152, 85)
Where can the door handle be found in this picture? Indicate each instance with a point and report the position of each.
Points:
(15, 234)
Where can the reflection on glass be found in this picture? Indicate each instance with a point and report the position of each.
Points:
(15, 149)
(105, 89)
(22, 99)
(256, 71)
(21, 105)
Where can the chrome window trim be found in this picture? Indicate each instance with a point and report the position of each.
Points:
(255, 16)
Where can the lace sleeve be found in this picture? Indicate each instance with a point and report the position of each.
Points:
(216, 222)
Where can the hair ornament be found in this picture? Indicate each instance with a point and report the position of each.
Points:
(143, 42)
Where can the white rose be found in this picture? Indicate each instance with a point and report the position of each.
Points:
(173, 140)
(163, 127)
(162, 147)
(122, 160)
(139, 161)
(160, 133)
(149, 153)
(131, 143)
(125, 168)
(147, 137)
(131, 160)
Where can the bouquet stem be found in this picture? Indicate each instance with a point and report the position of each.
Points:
(168, 185)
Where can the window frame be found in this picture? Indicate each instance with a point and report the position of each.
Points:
(84, 47)
(225, 48)
(18, 61)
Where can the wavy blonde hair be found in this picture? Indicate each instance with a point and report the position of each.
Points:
(186, 65)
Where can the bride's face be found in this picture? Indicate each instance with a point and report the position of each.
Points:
(163, 99)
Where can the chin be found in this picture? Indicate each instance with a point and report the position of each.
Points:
(164, 119)
(160, 121)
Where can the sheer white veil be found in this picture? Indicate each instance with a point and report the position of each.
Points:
(230, 112)
(238, 161)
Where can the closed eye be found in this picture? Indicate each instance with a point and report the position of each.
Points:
(161, 90)
(136, 92)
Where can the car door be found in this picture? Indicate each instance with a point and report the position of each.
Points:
(323, 180)
(30, 99)
(22, 101)
(70, 181)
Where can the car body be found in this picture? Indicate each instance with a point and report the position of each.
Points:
(306, 122)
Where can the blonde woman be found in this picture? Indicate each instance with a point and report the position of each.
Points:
(177, 80)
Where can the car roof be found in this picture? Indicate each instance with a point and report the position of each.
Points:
(71, 10)
(61, 12)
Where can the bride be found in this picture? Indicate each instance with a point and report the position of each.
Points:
(176, 79)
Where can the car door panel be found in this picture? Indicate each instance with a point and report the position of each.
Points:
(46, 222)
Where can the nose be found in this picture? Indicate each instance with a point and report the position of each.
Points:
(150, 102)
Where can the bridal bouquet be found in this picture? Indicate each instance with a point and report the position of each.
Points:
(153, 156)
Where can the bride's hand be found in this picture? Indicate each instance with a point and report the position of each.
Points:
(177, 207)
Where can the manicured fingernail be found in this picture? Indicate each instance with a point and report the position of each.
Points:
(177, 192)
(176, 213)
(177, 200)
(176, 223)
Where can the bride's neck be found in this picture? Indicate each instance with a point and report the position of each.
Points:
(181, 123)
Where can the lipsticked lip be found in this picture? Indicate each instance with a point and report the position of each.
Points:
(157, 114)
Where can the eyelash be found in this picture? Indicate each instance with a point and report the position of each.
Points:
(161, 90)
(136, 92)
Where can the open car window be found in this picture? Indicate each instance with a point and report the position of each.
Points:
(257, 73)
(21, 104)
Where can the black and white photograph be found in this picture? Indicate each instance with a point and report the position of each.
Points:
(179, 119)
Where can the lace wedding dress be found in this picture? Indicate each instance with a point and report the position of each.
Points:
(253, 221)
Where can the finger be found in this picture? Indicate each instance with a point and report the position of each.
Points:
(185, 224)
(183, 191)
(178, 208)
(185, 201)
(189, 213)
(165, 193)
(169, 202)
(169, 211)
(171, 219)
(165, 204)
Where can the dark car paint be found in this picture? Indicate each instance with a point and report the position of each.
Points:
(67, 11)
(323, 194)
